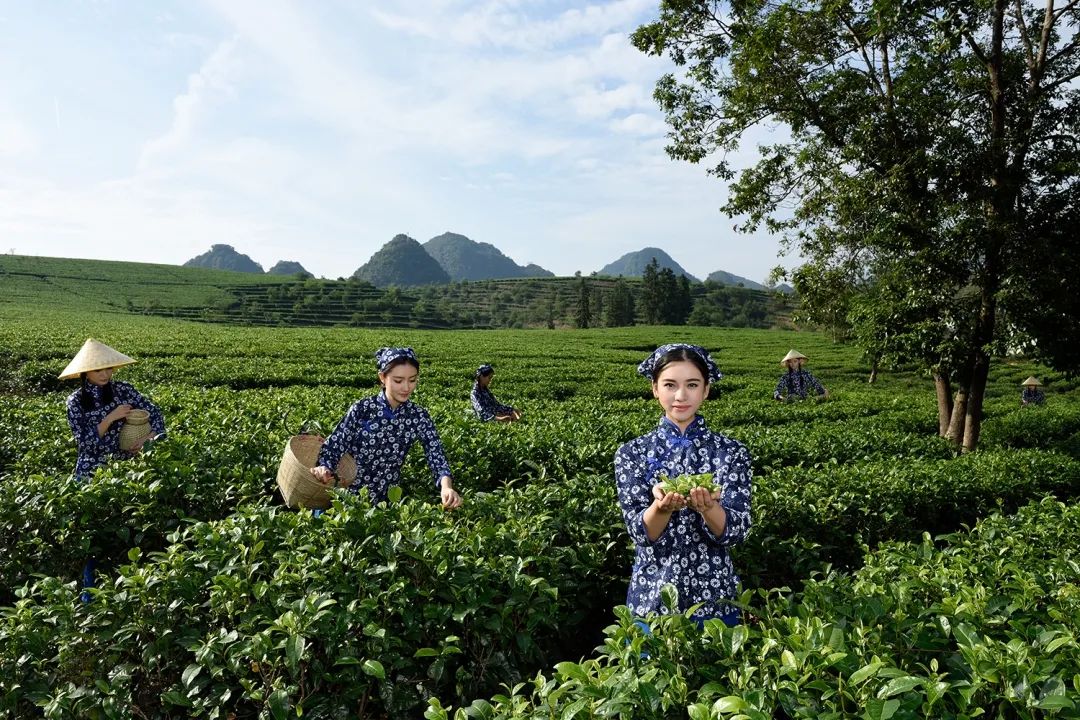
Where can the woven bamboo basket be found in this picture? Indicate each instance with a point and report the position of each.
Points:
(136, 427)
(298, 486)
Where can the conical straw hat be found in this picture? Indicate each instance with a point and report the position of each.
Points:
(94, 355)
(1032, 380)
(793, 355)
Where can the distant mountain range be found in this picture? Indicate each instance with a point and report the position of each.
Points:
(633, 264)
(465, 259)
(452, 257)
(725, 278)
(402, 261)
(288, 267)
(224, 257)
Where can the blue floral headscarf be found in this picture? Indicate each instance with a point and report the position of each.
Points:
(647, 365)
(385, 356)
(484, 370)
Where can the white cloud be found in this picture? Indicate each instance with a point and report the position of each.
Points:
(505, 25)
(639, 124)
(211, 80)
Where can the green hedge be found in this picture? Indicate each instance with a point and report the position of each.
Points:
(985, 626)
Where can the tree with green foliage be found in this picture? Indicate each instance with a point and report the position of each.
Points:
(930, 164)
(619, 311)
(651, 293)
(583, 313)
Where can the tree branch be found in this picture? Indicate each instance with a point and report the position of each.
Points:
(976, 49)
(871, 70)
(1029, 49)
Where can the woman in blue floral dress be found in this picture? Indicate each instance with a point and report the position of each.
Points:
(97, 409)
(1031, 394)
(797, 383)
(96, 413)
(483, 401)
(379, 430)
(683, 540)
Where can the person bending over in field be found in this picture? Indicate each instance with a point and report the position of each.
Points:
(1031, 394)
(682, 538)
(96, 411)
(378, 432)
(796, 383)
(483, 401)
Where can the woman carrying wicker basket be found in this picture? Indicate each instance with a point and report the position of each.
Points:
(99, 410)
(379, 430)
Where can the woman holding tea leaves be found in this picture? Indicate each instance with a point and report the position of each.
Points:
(683, 539)
(379, 430)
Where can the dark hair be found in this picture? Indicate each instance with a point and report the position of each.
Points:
(680, 354)
(484, 372)
(86, 398)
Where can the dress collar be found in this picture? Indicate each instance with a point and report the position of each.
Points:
(670, 430)
(384, 405)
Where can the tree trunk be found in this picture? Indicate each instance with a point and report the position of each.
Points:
(959, 416)
(873, 371)
(980, 367)
(944, 403)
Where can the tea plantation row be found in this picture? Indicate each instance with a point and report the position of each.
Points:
(215, 600)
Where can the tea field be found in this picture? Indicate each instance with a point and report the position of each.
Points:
(884, 577)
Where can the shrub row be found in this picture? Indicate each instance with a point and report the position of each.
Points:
(985, 626)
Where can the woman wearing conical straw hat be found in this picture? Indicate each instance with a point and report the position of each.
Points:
(96, 411)
(1031, 394)
(796, 383)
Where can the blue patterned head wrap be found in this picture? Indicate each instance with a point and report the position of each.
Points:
(385, 356)
(647, 365)
(484, 369)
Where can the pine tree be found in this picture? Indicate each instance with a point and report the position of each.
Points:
(583, 315)
(619, 311)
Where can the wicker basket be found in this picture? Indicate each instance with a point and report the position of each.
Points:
(136, 427)
(299, 488)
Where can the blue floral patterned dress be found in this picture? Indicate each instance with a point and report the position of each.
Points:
(797, 383)
(687, 554)
(1032, 396)
(95, 450)
(485, 405)
(379, 438)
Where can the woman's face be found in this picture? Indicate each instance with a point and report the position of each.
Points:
(681, 389)
(399, 381)
(485, 380)
(100, 377)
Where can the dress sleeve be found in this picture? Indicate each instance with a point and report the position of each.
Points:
(343, 437)
(433, 448)
(85, 430)
(815, 383)
(778, 394)
(479, 406)
(735, 499)
(498, 407)
(635, 497)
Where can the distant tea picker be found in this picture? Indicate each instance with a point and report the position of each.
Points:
(1031, 394)
(483, 401)
(109, 418)
(796, 383)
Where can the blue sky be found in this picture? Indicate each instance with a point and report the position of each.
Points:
(316, 131)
